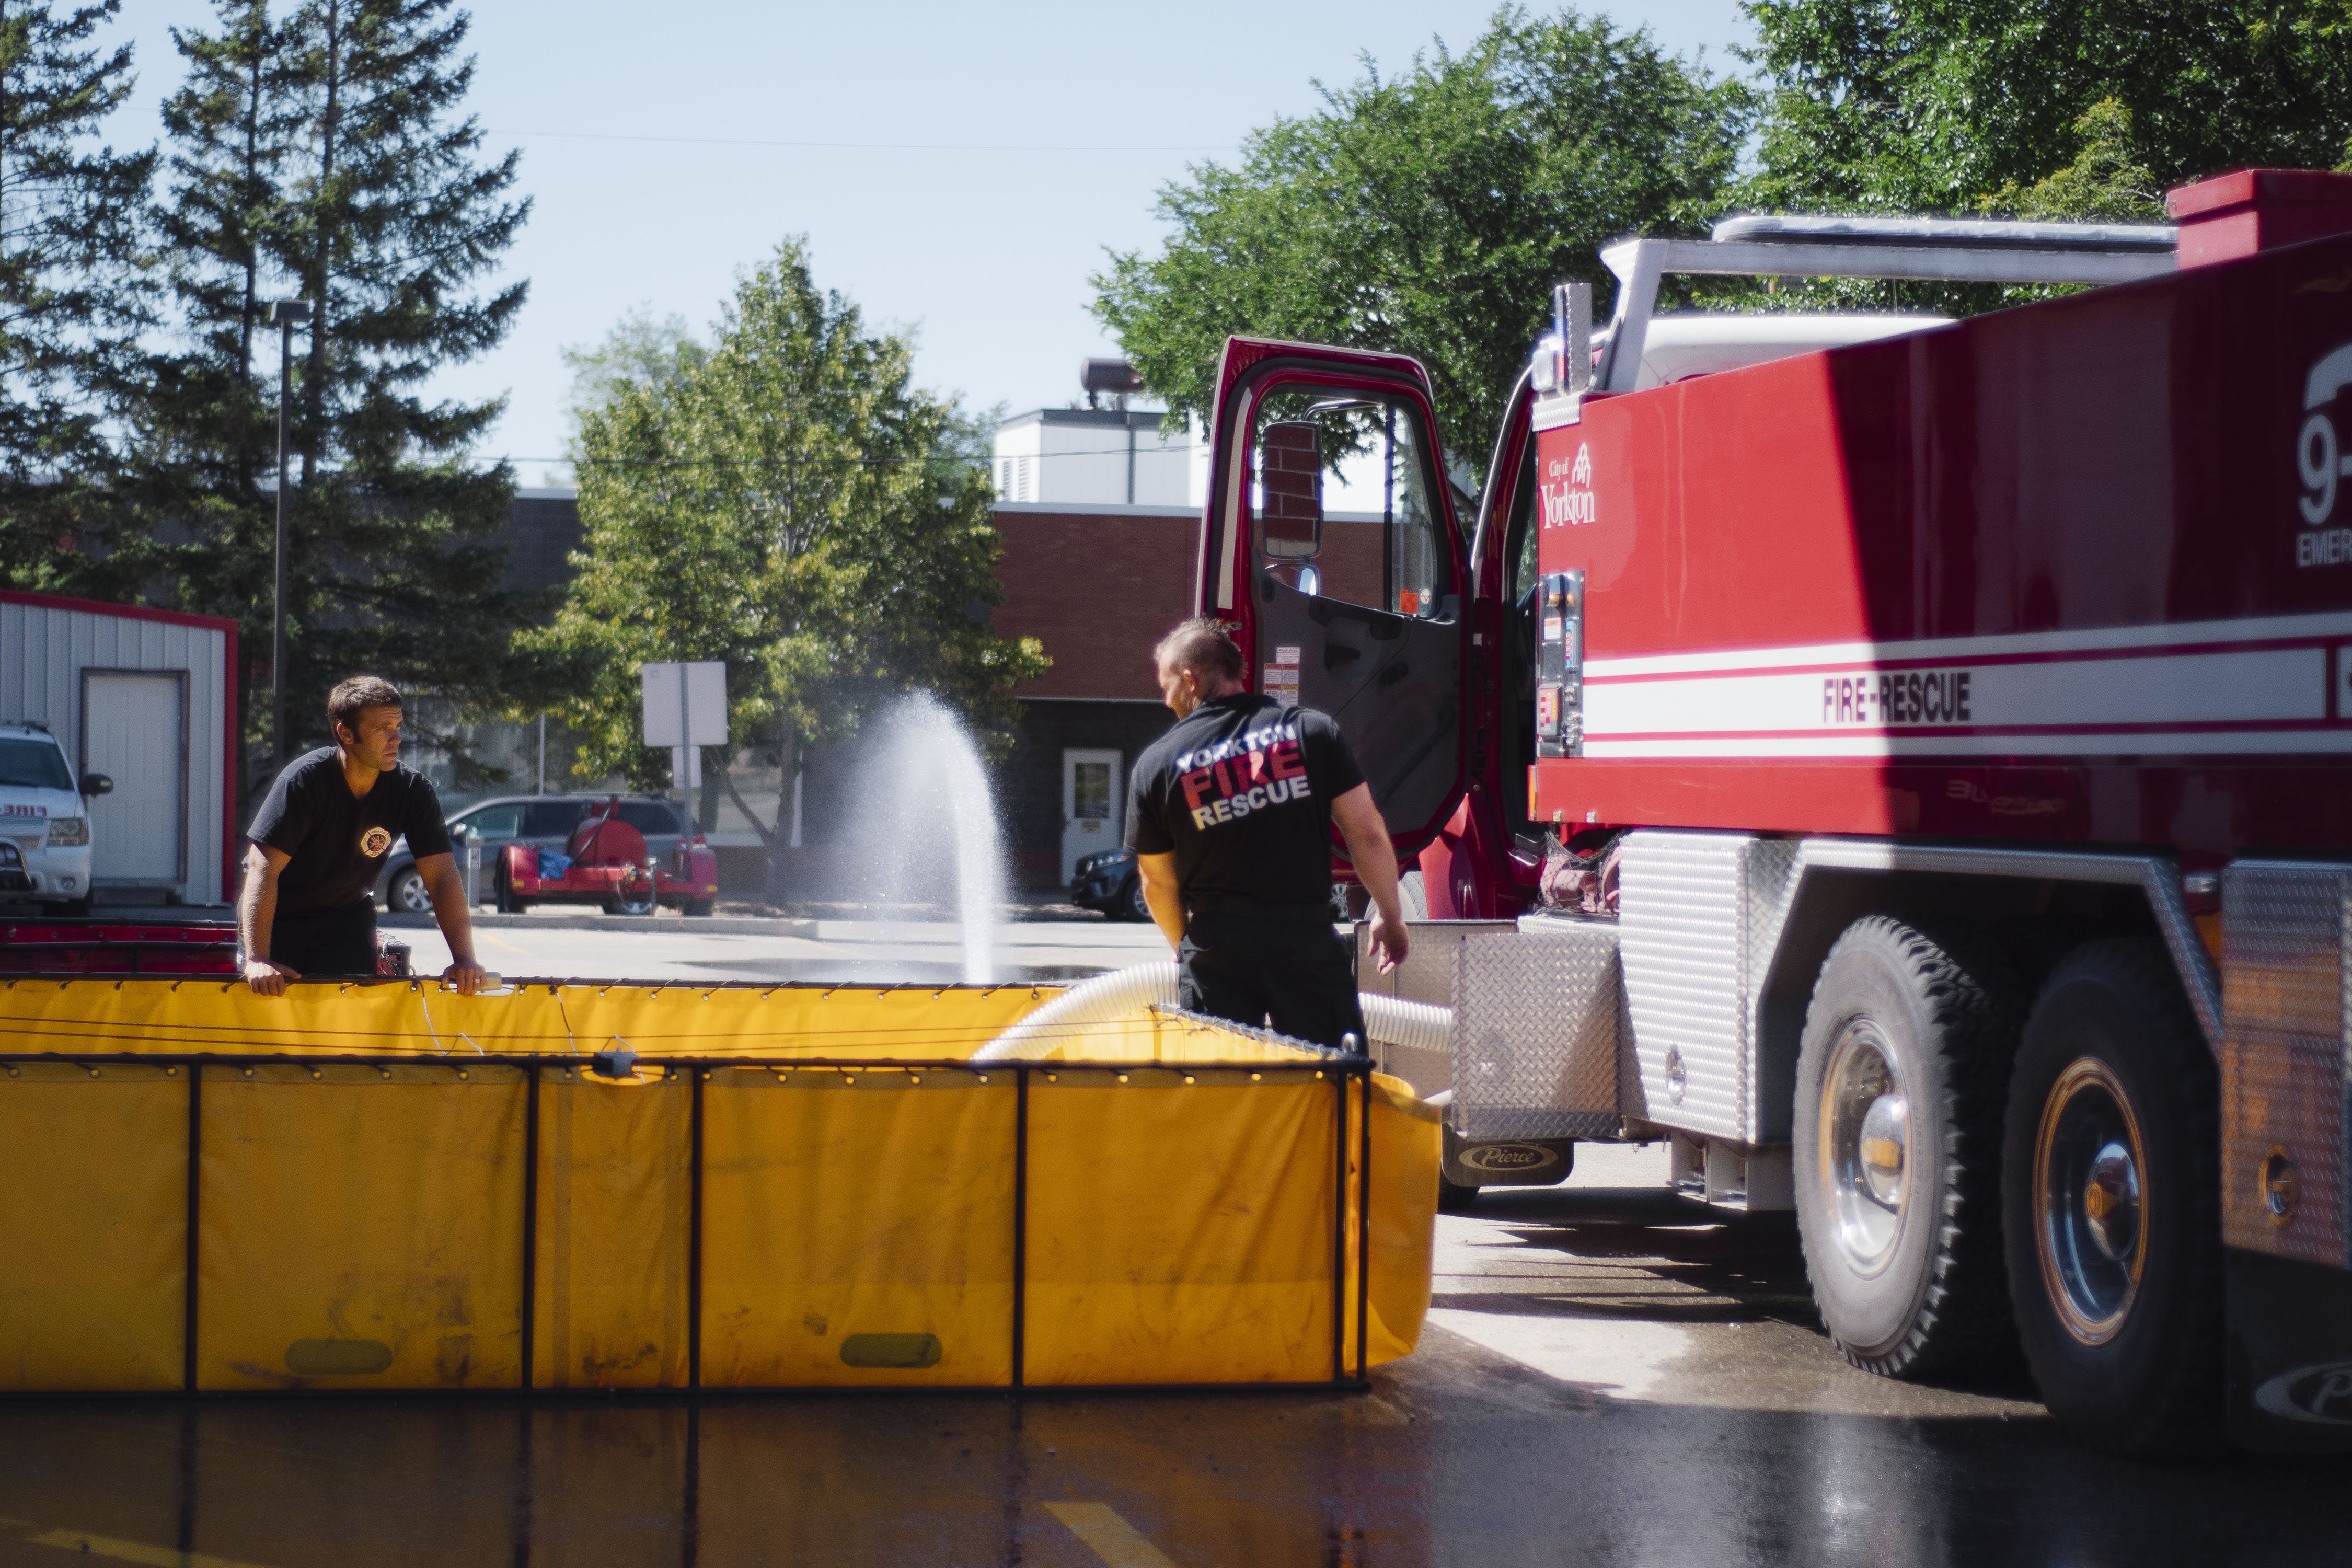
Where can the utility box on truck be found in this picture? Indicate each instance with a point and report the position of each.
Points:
(1914, 754)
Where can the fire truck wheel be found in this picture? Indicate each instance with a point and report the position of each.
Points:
(2111, 1192)
(1453, 1197)
(1900, 1079)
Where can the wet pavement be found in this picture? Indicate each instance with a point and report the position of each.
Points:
(1610, 1376)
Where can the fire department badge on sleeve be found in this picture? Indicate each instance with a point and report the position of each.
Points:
(374, 842)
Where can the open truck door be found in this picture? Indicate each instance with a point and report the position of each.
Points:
(1330, 544)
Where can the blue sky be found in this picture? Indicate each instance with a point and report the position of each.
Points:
(975, 161)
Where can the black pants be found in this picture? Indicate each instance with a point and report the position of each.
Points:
(337, 943)
(1293, 970)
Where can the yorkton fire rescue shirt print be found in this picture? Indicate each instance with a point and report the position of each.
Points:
(1241, 791)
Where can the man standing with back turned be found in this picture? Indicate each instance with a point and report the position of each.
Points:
(1230, 816)
(320, 841)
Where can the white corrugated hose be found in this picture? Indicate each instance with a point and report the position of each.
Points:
(1126, 992)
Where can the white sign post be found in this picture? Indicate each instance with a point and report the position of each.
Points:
(686, 709)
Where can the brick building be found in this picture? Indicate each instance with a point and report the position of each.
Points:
(1097, 586)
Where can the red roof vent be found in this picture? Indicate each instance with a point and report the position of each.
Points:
(2254, 210)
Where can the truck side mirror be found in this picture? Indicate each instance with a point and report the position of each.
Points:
(1290, 480)
(96, 783)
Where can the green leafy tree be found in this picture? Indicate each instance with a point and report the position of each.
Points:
(1432, 213)
(1959, 105)
(786, 502)
(74, 294)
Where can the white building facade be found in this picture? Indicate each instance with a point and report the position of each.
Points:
(1098, 457)
(149, 699)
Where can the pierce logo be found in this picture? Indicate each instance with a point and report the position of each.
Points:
(374, 842)
(1568, 498)
(2321, 466)
(2322, 1394)
(1502, 1157)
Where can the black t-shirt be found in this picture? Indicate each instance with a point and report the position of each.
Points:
(337, 844)
(1241, 791)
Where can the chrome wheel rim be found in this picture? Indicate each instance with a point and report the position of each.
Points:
(2090, 1195)
(413, 898)
(1865, 1146)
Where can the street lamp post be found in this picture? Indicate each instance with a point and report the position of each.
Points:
(285, 315)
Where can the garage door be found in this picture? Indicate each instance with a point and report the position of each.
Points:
(133, 731)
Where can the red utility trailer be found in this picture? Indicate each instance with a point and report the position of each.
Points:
(1912, 759)
(606, 862)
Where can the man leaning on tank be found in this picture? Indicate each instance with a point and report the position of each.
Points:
(308, 909)
(1230, 817)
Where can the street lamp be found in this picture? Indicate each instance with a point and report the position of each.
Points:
(285, 315)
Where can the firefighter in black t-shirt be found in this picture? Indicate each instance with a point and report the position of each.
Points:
(318, 843)
(1230, 817)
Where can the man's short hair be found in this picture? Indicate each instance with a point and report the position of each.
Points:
(344, 702)
(1205, 646)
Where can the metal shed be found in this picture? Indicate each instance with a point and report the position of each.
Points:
(148, 698)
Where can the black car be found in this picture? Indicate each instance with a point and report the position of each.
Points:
(1108, 880)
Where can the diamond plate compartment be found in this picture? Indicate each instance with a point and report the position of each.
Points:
(1701, 913)
(2286, 1022)
(1539, 1022)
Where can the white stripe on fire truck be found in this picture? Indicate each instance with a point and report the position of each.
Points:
(2263, 699)
(2058, 744)
(2176, 636)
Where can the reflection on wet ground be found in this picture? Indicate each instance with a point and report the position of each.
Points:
(1610, 1377)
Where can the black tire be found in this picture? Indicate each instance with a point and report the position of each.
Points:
(1910, 1286)
(1130, 905)
(406, 893)
(2112, 1059)
(1412, 898)
(1453, 1197)
(699, 909)
(503, 894)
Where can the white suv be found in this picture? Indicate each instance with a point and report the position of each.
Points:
(44, 826)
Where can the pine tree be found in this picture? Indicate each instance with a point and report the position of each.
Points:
(73, 296)
(327, 156)
(196, 521)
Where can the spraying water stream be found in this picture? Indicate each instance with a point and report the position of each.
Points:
(926, 830)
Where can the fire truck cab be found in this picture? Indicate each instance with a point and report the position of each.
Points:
(1901, 761)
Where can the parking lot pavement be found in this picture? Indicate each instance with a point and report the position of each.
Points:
(1610, 1376)
(854, 951)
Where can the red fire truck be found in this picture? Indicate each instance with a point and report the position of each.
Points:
(1905, 763)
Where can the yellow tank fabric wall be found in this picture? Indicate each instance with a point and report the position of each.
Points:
(615, 1188)
(856, 1228)
(417, 1017)
(360, 1224)
(93, 1227)
(1407, 1136)
(1207, 1259)
(356, 1230)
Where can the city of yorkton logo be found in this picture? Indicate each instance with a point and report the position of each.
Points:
(374, 842)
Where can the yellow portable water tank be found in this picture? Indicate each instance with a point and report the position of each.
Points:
(389, 1186)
